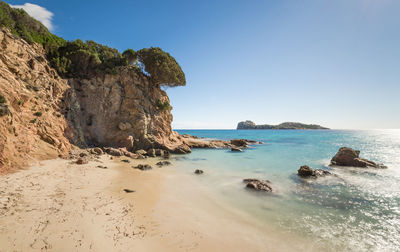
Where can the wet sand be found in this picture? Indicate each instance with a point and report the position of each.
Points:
(58, 205)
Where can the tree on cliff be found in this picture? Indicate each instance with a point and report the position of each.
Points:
(130, 55)
(161, 66)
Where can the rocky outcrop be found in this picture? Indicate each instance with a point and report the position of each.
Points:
(44, 116)
(349, 157)
(120, 111)
(306, 172)
(286, 125)
(31, 126)
(258, 185)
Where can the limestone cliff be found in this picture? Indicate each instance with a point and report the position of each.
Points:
(44, 116)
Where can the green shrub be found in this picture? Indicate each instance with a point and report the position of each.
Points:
(163, 105)
(162, 67)
(28, 28)
(2, 99)
(33, 120)
(38, 113)
(130, 55)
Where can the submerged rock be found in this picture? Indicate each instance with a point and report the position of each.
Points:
(349, 157)
(305, 171)
(239, 142)
(258, 185)
(235, 149)
(143, 167)
(198, 171)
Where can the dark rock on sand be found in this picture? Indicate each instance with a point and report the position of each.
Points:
(128, 191)
(125, 161)
(102, 167)
(83, 154)
(159, 152)
(143, 167)
(349, 157)
(258, 185)
(305, 171)
(162, 163)
(151, 153)
(141, 152)
(113, 152)
(81, 161)
(198, 171)
(97, 151)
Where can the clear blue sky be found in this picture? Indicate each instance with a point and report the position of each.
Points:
(335, 63)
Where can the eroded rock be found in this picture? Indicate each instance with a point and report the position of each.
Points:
(305, 171)
(258, 185)
(350, 157)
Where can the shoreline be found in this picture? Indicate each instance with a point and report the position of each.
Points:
(58, 205)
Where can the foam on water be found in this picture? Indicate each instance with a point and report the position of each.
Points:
(359, 209)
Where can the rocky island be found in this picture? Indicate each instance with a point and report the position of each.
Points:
(286, 125)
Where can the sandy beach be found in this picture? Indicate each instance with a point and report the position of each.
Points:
(57, 205)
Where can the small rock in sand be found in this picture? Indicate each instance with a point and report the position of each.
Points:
(101, 167)
(143, 167)
(162, 163)
(198, 171)
(97, 151)
(128, 191)
(81, 161)
(125, 161)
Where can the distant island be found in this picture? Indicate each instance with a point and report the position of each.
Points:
(286, 125)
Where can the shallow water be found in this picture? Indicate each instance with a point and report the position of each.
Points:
(357, 210)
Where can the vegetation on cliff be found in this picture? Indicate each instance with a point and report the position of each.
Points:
(26, 27)
(162, 67)
(286, 125)
(85, 59)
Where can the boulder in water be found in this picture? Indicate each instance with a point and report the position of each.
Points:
(349, 157)
(258, 185)
(305, 171)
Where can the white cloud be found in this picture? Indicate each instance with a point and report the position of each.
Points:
(38, 12)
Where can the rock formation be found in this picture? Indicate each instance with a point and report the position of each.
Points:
(258, 185)
(33, 127)
(286, 125)
(306, 172)
(349, 157)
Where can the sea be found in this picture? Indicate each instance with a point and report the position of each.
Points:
(356, 209)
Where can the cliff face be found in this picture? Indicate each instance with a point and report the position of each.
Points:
(120, 110)
(44, 115)
(32, 127)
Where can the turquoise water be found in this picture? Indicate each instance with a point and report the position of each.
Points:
(357, 210)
